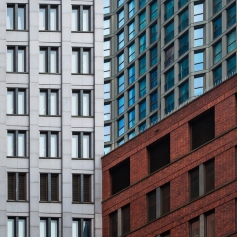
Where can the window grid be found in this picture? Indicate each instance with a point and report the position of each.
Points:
(16, 17)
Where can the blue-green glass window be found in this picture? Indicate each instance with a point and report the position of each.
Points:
(131, 52)
(131, 118)
(106, 149)
(182, 3)
(217, 5)
(198, 61)
(231, 65)
(106, 6)
(120, 18)
(131, 135)
(121, 127)
(169, 79)
(154, 101)
(169, 32)
(131, 8)
(169, 103)
(142, 3)
(183, 20)
(183, 44)
(217, 75)
(142, 110)
(169, 9)
(121, 105)
(154, 119)
(154, 78)
(231, 16)
(231, 41)
(142, 43)
(142, 65)
(198, 85)
(154, 33)
(154, 58)
(154, 10)
(121, 142)
(142, 20)
(120, 2)
(131, 30)
(198, 37)
(120, 83)
(183, 68)
(120, 40)
(142, 127)
(217, 55)
(183, 92)
(131, 96)
(131, 75)
(142, 87)
(217, 29)
(120, 62)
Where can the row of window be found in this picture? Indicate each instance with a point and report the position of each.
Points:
(49, 144)
(49, 19)
(49, 60)
(49, 227)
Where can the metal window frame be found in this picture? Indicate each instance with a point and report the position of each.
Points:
(15, 7)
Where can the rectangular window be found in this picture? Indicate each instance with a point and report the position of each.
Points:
(169, 79)
(125, 219)
(107, 133)
(198, 85)
(131, 96)
(217, 27)
(169, 103)
(198, 12)
(81, 58)
(217, 75)
(120, 62)
(120, 83)
(231, 16)
(169, 32)
(195, 227)
(217, 55)
(49, 227)
(16, 101)
(81, 227)
(48, 18)
(16, 226)
(183, 92)
(131, 30)
(106, 91)
(16, 15)
(131, 118)
(159, 154)
(181, 4)
(194, 183)
(118, 181)
(217, 5)
(49, 188)
(81, 188)
(231, 41)
(107, 69)
(142, 43)
(16, 59)
(142, 20)
(106, 6)
(120, 126)
(154, 101)
(210, 225)
(142, 110)
(183, 20)
(120, 40)
(16, 186)
(183, 44)
(169, 56)
(209, 175)
(154, 57)
(142, 127)
(106, 26)
(81, 103)
(142, 3)
(165, 198)
(106, 48)
(153, 78)
(113, 224)
(198, 61)
(121, 105)
(107, 149)
(48, 60)
(198, 37)
(120, 2)
(142, 87)
(154, 33)
(120, 18)
(49, 102)
(131, 75)
(131, 52)
(142, 65)
(202, 128)
(151, 205)
(131, 135)
(183, 68)
(107, 111)
(131, 9)
(16, 143)
(48, 146)
(81, 145)
(81, 18)
(154, 119)
(231, 65)
(169, 9)
(154, 10)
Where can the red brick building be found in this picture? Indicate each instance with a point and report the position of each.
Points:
(178, 178)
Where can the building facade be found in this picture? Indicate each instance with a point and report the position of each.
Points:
(51, 118)
(158, 55)
(178, 178)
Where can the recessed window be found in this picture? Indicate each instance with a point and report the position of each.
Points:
(169, 32)
(16, 17)
(131, 96)
(121, 83)
(198, 37)
(142, 20)
(81, 188)
(154, 119)
(169, 103)
(142, 3)
(198, 61)
(49, 102)
(47, 224)
(16, 226)
(142, 65)
(202, 129)
(183, 92)
(107, 149)
(106, 91)
(198, 85)
(120, 62)
(16, 143)
(154, 56)
(231, 16)
(131, 135)
(183, 68)
(217, 27)
(154, 101)
(231, 41)
(181, 4)
(131, 118)
(131, 75)
(120, 40)
(16, 59)
(48, 18)
(142, 43)
(107, 69)
(81, 227)
(120, 18)
(16, 183)
(195, 227)
(106, 26)
(81, 103)
(217, 52)
(142, 127)
(16, 101)
(81, 145)
(49, 144)
(210, 224)
(81, 58)
(153, 78)
(131, 8)
(217, 75)
(49, 189)
(107, 132)
(183, 44)
(151, 205)
(131, 30)
(118, 181)
(142, 110)
(142, 87)
(81, 18)
(131, 52)
(106, 6)
(231, 65)
(183, 20)
(120, 105)
(107, 111)
(169, 9)
(169, 79)
(120, 2)
(154, 33)
(106, 48)
(154, 10)
(120, 126)
(198, 12)
(169, 56)
(48, 60)
(217, 5)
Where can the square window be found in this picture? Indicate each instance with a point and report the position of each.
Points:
(49, 223)
(16, 226)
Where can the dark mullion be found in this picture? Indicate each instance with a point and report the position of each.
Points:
(81, 102)
(80, 17)
(81, 227)
(17, 186)
(16, 101)
(47, 15)
(81, 144)
(81, 60)
(82, 188)
(48, 228)
(48, 102)
(49, 143)
(15, 25)
(49, 187)
(16, 143)
(48, 60)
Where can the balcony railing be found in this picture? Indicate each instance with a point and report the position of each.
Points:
(169, 84)
(183, 73)
(183, 49)
(169, 60)
(169, 108)
(169, 13)
(183, 97)
(183, 25)
(169, 37)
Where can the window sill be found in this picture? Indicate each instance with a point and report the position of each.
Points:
(80, 116)
(17, 115)
(49, 202)
(50, 73)
(17, 72)
(56, 116)
(82, 158)
(82, 31)
(57, 31)
(18, 157)
(18, 201)
(16, 30)
(89, 74)
(54, 158)
(82, 202)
